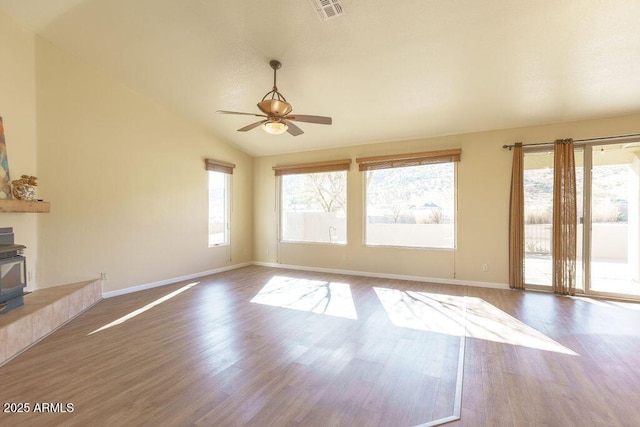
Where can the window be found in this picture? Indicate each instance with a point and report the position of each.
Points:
(411, 199)
(219, 201)
(313, 202)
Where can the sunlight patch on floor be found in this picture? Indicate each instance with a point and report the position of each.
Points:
(630, 305)
(145, 308)
(316, 296)
(420, 310)
(459, 315)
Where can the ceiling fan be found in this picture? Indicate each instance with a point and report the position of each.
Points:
(276, 111)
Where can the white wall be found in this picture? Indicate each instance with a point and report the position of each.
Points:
(18, 111)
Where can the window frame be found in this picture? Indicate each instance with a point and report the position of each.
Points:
(368, 164)
(226, 171)
(280, 171)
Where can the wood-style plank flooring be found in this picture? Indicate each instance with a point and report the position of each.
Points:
(356, 351)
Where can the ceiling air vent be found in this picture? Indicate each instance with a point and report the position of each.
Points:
(327, 9)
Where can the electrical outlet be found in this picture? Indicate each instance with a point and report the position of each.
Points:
(485, 267)
(29, 276)
(103, 276)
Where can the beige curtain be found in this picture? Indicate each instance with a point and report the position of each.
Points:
(564, 218)
(516, 221)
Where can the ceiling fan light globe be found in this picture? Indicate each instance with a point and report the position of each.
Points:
(275, 128)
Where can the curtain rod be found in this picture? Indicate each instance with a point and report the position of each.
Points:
(538, 144)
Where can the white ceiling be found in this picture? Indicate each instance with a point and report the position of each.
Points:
(385, 70)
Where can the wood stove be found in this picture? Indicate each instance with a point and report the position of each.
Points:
(13, 272)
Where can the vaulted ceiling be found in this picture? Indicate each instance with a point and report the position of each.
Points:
(384, 70)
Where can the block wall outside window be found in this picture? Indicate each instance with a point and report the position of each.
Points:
(411, 206)
(313, 207)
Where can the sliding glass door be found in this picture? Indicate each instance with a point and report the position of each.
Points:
(615, 219)
(608, 196)
(538, 216)
(538, 209)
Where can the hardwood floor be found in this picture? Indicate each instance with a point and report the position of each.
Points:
(262, 346)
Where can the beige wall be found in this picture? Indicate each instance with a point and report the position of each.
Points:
(127, 185)
(18, 111)
(483, 201)
(126, 182)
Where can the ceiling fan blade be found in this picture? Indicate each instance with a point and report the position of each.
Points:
(321, 120)
(251, 126)
(242, 114)
(293, 129)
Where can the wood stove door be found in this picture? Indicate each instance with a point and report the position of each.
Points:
(12, 275)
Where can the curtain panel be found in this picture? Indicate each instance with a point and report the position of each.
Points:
(564, 219)
(516, 220)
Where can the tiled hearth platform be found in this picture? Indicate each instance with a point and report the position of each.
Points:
(43, 312)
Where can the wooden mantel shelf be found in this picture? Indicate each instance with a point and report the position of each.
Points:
(24, 206)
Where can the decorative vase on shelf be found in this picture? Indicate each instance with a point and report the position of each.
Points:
(24, 192)
(24, 188)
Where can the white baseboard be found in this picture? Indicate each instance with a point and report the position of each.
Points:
(172, 280)
(386, 275)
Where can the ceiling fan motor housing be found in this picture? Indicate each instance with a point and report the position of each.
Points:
(275, 107)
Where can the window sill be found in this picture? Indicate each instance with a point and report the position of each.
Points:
(217, 245)
(297, 242)
(422, 248)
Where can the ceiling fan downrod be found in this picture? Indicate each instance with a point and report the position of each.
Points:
(276, 65)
